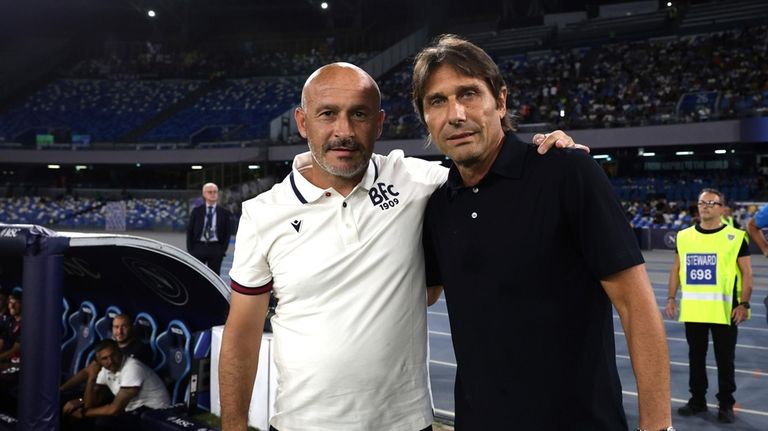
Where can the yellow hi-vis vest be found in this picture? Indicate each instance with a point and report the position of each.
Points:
(708, 272)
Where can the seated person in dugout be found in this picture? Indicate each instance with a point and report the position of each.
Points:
(122, 333)
(134, 386)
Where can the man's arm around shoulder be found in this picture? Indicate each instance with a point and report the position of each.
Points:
(239, 357)
(631, 293)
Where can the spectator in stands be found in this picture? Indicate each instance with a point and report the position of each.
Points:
(542, 247)
(132, 347)
(712, 267)
(338, 241)
(209, 230)
(133, 384)
(11, 340)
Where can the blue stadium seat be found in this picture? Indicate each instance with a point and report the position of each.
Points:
(145, 330)
(64, 314)
(73, 351)
(175, 358)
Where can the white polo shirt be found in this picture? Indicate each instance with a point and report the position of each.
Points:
(350, 328)
(134, 374)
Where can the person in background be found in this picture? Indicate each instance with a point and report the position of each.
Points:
(713, 268)
(134, 388)
(122, 332)
(209, 230)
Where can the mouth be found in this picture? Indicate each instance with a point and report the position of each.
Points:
(460, 136)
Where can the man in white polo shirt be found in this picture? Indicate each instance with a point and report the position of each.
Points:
(339, 242)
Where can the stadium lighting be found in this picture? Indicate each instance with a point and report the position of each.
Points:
(684, 153)
(80, 167)
(151, 13)
(601, 156)
(324, 5)
(648, 154)
(196, 167)
(138, 165)
(720, 151)
(562, 113)
(54, 166)
(669, 4)
(254, 167)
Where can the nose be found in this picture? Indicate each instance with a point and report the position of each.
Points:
(344, 128)
(456, 112)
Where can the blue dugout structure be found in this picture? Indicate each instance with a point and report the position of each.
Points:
(139, 274)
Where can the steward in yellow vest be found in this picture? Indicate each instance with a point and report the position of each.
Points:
(713, 267)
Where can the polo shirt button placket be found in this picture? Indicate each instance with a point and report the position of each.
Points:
(474, 214)
(475, 190)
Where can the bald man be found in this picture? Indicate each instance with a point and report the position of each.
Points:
(339, 243)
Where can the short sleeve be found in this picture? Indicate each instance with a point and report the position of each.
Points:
(607, 241)
(131, 375)
(250, 273)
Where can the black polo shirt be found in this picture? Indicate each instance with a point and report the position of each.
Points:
(520, 257)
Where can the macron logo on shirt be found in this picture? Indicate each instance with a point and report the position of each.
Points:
(296, 225)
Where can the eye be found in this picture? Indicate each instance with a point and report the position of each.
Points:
(360, 115)
(436, 101)
(469, 93)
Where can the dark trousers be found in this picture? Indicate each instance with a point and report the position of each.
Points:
(209, 253)
(429, 428)
(125, 421)
(724, 339)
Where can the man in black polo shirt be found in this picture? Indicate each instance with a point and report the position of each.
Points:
(531, 252)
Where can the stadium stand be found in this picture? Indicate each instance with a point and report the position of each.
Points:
(78, 213)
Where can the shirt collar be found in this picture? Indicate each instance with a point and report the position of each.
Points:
(307, 192)
(509, 163)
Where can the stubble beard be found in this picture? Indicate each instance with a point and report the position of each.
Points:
(349, 172)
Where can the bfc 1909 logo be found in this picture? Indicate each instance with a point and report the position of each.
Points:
(384, 196)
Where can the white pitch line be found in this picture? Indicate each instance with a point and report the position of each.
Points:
(683, 340)
(741, 327)
(713, 406)
(743, 346)
(752, 373)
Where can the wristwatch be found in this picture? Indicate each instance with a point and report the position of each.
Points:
(745, 304)
(663, 429)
